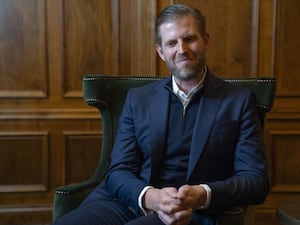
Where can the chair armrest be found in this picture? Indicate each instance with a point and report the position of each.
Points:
(233, 216)
(69, 197)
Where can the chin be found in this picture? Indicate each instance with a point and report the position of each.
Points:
(186, 74)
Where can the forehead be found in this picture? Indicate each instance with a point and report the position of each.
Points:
(185, 25)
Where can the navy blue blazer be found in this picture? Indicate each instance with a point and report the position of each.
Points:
(227, 150)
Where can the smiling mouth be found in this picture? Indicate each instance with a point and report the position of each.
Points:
(184, 60)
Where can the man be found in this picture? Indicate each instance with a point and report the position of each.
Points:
(187, 147)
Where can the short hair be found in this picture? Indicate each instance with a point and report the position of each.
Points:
(176, 11)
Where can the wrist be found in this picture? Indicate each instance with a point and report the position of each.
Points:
(206, 203)
(149, 199)
(141, 200)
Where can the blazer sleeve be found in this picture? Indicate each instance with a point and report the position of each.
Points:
(249, 183)
(122, 178)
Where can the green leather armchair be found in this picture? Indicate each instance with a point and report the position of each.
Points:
(107, 93)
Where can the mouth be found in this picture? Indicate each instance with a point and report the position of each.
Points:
(184, 61)
(183, 58)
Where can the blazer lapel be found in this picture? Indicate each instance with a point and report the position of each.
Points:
(208, 107)
(158, 127)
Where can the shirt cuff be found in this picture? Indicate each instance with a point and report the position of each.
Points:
(140, 200)
(208, 196)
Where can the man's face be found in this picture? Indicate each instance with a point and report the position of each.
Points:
(183, 48)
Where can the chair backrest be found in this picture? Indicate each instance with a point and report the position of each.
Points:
(107, 93)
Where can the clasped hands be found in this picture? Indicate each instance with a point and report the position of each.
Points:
(175, 207)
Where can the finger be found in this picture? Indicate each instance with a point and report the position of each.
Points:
(180, 218)
(169, 197)
(165, 218)
(171, 207)
(183, 217)
(184, 191)
(171, 191)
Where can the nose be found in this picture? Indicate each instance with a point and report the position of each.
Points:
(182, 48)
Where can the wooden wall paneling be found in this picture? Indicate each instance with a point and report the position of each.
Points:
(284, 159)
(265, 217)
(87, 40)
(41, 143)
(287, 48)
(81, 155)
(286, 60)
(23, 51)
(76, 149)
(143, 41)
(31, 215)
(267, 26)
(125, 25)
(55, 54)
(32, 162)
(115, 36)
(25, 174)
(282, 145)
(137, 37)
(24, 169)
(233, 28)
(25, 152)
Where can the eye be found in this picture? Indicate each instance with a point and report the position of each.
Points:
(171, 43)
(189, 39)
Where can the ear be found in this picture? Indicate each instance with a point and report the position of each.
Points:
(206, 40)
(159, 51)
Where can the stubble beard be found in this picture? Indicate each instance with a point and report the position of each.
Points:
(188, 72)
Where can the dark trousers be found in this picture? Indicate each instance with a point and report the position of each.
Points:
(113, 213)
(100, 209)
(104, 213)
